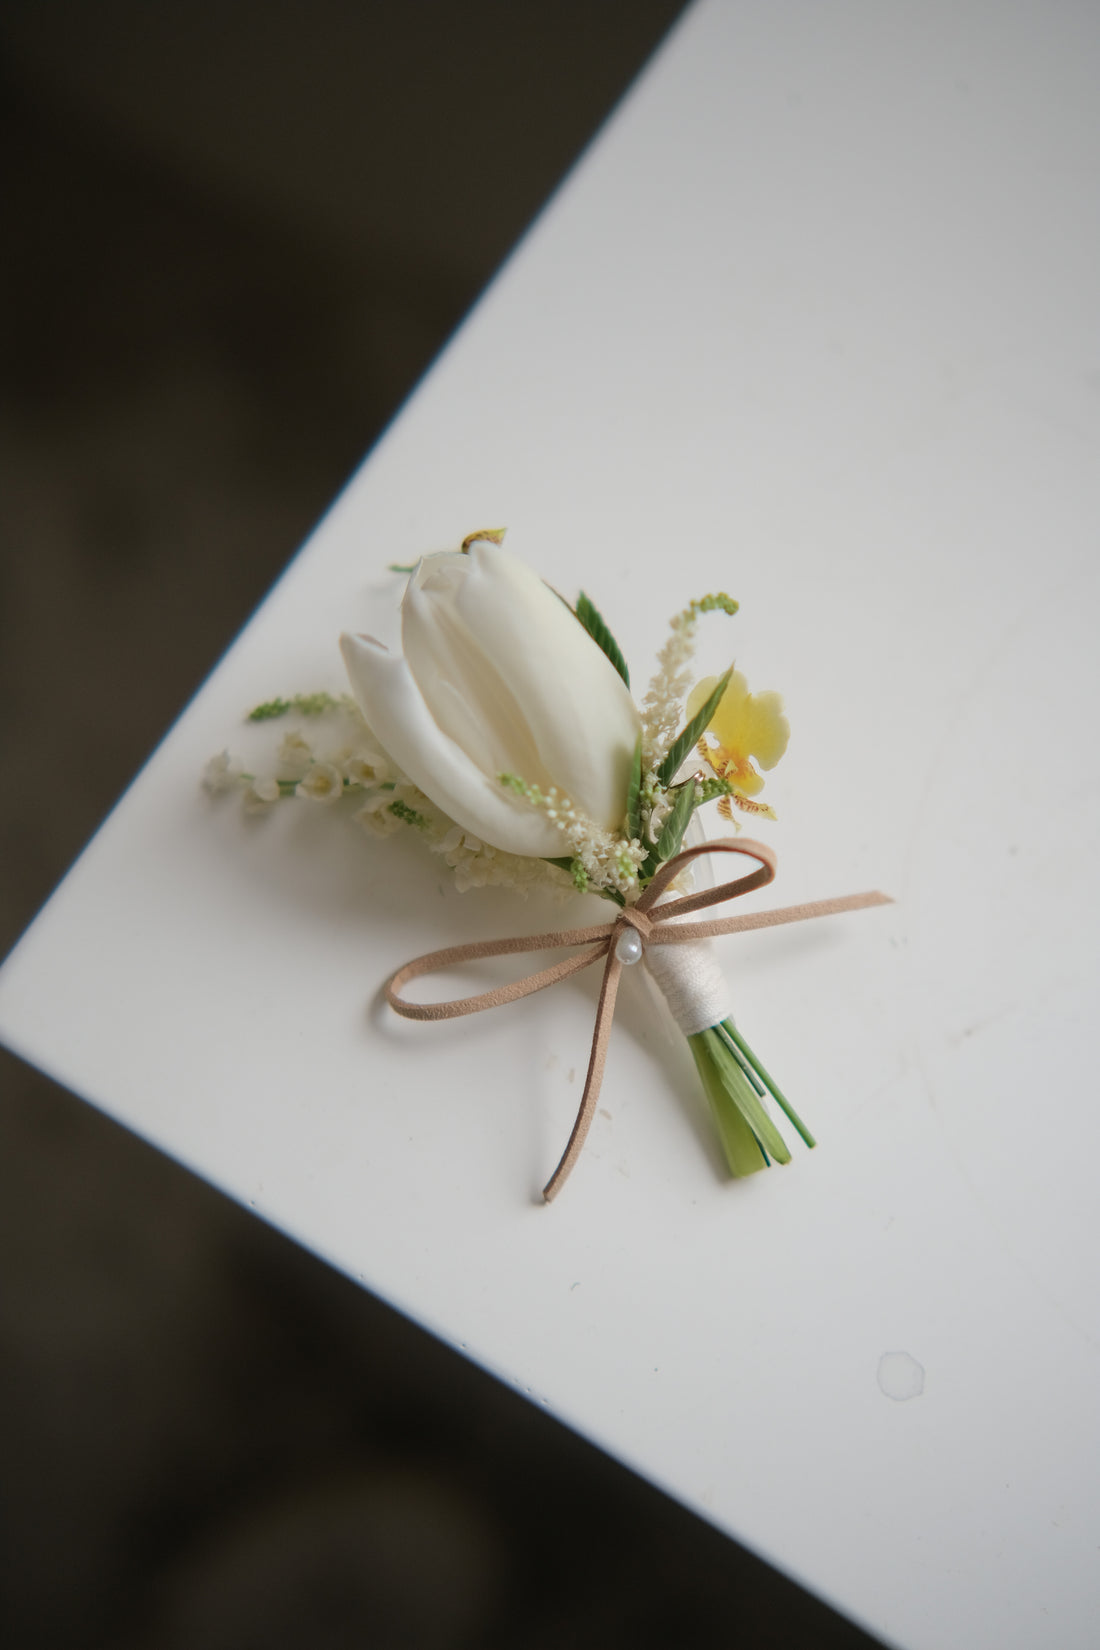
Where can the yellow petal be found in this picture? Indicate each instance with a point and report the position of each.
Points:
(747, 807)
(699, 695)
(727, 722)
(765, 729)
(746, 779)
(745, 724)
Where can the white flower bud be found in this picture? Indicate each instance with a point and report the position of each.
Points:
(498, 676)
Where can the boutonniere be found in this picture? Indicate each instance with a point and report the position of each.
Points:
(505, 735)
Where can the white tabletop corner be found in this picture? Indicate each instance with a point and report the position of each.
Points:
(815, 321)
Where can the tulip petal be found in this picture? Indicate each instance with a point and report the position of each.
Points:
(459, 681)
(573, 701)
(392, 703)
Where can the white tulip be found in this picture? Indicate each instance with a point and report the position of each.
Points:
(498, 676)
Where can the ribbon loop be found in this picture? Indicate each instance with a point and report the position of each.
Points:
(650, 921)
(684, 903)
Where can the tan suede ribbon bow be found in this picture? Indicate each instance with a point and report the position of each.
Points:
(654, 925)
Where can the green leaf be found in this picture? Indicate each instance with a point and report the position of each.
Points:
(633, 797)
(672, 831)
(692, 734)
(592, 621)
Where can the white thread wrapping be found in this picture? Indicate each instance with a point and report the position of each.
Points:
(692, 983)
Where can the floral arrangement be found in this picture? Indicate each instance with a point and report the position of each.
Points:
(505, 736)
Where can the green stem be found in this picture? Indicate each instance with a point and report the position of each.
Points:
(744, 1153)
(744, 1096)
(731, 1035)
(748, 1070)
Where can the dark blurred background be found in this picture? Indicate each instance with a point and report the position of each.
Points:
(234, 235)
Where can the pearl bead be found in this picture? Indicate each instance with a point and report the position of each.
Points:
(628, 946)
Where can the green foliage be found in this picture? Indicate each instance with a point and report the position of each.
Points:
(719, 602)
(408, 816)
(672, 831)
(513, 782)
(694, 731)
(634, 797)
(712, 787)
(593, 622)
(269, 711)
(737, 1044)
(306, 704)
(742, 1093)
(744, 1155)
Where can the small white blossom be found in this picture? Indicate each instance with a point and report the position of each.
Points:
(323, 783)
(607, 859)
(658, 811)
(375, 816)
(221, 774)
(367, 768)
(295, 756)
(662, 708)
(261, 795)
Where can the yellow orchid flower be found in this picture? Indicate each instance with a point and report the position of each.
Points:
(746, 727)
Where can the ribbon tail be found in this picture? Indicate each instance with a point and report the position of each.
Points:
(601, 1035)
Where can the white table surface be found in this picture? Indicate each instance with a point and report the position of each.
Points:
(815, 321)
